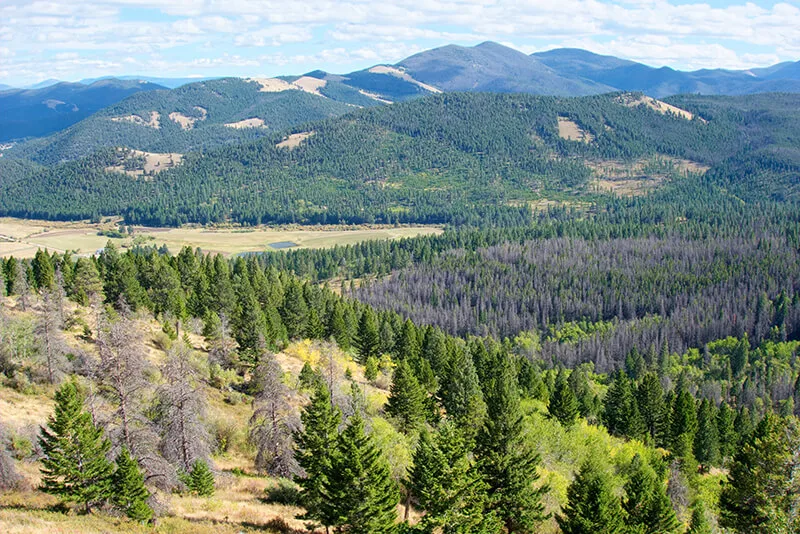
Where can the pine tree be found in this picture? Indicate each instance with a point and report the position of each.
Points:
(683, 423)
(407, 399)
(508, 465)
(294, 311)
(368, 340)
(359, 495)
(337, 328)
(200, 480)
(127, 488)
(650, 400)
(620, 409)
(706, 440)
(462, 397)
(447, 486)
(74, 466)
(761, 494)
(86, 284)
(648, 508)
(726, 430)
(699, 522)
(43, 270)
(579, 384)
(591, 506)
(407, 344)
(563, 404)
(314, 446)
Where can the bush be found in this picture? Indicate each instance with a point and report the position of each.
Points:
(200, 479)
(283, 491)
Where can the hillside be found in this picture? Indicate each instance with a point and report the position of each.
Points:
(444, 158)
(192, 117)
(40, 111)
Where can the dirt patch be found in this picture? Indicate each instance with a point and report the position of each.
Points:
(294, 140)
(634, 178)
(630, 101)
(255, 122)
(403, 75)
(186, 122)
(569, 130)
(373, 96)
(154, 121)
(137, 163)
(310, 85)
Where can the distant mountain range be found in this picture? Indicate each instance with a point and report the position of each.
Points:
(487, 67)
(38, 112)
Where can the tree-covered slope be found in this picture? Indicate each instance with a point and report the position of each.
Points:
(192, 117)
(36, 112)
(445, 158)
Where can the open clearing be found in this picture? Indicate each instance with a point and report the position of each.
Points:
(22, 238)
(569, 130)
(153, 122)
(294, 140)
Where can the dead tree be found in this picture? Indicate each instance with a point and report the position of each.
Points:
(184, 436)
(273, 421)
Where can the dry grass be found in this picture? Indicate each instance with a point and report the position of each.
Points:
(154, 162)
(569, 130)
(310, 84)
(656, 105)
(24, 237)
(635, 178)
(186, 122)
(255, 122)
(293, 140)
(154, 121)
(403, 75)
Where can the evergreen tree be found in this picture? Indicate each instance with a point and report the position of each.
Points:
(314, 446)
(683, 423)
(407, 399)
(447, 486)
(706, 440)
(508, 464)
(367, 340)
(620, 409)
(200, 480)
(726, 430)
(407, 345)
(86, 284)
(591, 506)
(337, 328)
(294, 311)
(563, 404)
(43, 270)
(371, 368)
(359, 495)
(250, 325)
(462, 397)
(74, 466)
(699, 522)
(650, 400)
(579, 384)
(761, 493)
(127, 488)
(648, 508)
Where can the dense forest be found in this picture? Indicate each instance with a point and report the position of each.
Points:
(456, 438)
(455, 158)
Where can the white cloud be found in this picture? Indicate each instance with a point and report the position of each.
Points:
(316, 33)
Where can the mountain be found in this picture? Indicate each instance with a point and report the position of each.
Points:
(493, 67)
(196, 117)
(660, 82)
(4, 87)
(170, 83)
(37, 112)
(43, 84)
(446, 158)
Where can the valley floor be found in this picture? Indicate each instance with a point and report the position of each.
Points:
(22, 237)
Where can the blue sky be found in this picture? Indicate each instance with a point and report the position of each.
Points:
(75, 39)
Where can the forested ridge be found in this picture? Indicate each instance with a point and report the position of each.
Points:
(454, 158)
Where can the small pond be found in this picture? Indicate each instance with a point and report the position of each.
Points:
(283, 244)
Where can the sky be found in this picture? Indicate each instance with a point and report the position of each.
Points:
(76, 39)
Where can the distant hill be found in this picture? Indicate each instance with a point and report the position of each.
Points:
(195, 117)
(37, 112)
(170, 83)
(446, 158)
(4, 87)
(660, 82)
